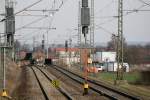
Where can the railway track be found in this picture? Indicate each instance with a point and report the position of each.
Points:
(65, 94)
(41, 87)
(97, 87)
(75, 88)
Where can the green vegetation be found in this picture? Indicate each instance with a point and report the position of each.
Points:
(132, 77)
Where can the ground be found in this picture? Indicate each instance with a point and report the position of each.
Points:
(127, 85)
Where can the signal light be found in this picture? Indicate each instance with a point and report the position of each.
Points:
(85, 30)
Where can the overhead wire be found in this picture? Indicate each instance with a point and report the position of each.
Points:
(104, 29)
(106, 6)
(21, 10)
(113, 18)
(63, 2)
(25, 35)
(126, 14)
(144, 2)
(27, 7)
(54, 2)
(31, 23)
(134, 10)
(53, 7)
(128, 11)
(139, 8)
(106, 17)
(52, 17)
(106, 22)
(32, 15)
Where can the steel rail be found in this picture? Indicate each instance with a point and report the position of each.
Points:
(97, 84)
(41, 87)
(60, 89)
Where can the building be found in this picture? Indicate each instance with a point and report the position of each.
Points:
(105, 56)
(112, 67)
(69, 56)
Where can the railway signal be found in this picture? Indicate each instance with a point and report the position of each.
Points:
(84, 30)
(85, 23)
(85, 17)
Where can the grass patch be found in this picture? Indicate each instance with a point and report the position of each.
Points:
(132, 77)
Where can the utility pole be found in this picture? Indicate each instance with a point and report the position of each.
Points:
(43, 44)
(4, 72)
(0, 39)
(92, 29)
(120, 41)
(1, 55)
(47, 46)
(8, 39)
(79, 33)
(66, 49)
(53, 12)
(10, 26)
(33, 44)
(92, 25)
(70, 46)
(79, 25)
(1, 68)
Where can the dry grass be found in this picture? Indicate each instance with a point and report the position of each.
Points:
(139, 90)
(12, 75)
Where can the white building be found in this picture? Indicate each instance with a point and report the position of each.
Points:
(107, 60)
(112, 66)
(68, 57)
(106, 56)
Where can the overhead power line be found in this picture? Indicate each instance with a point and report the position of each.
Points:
(27, 34)
(61, 4)
(31, 23)
(44, 10)
(106, 17)
(136, 10)
(32, 15)
(40, 28)
(22, 10)
(107, 5)
(144, 2)
(128, 12)
(108, 21)
(28, 7)
(104, 29)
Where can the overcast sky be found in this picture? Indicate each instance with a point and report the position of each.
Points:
(136, 25)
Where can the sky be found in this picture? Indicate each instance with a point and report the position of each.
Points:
(135, 25)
